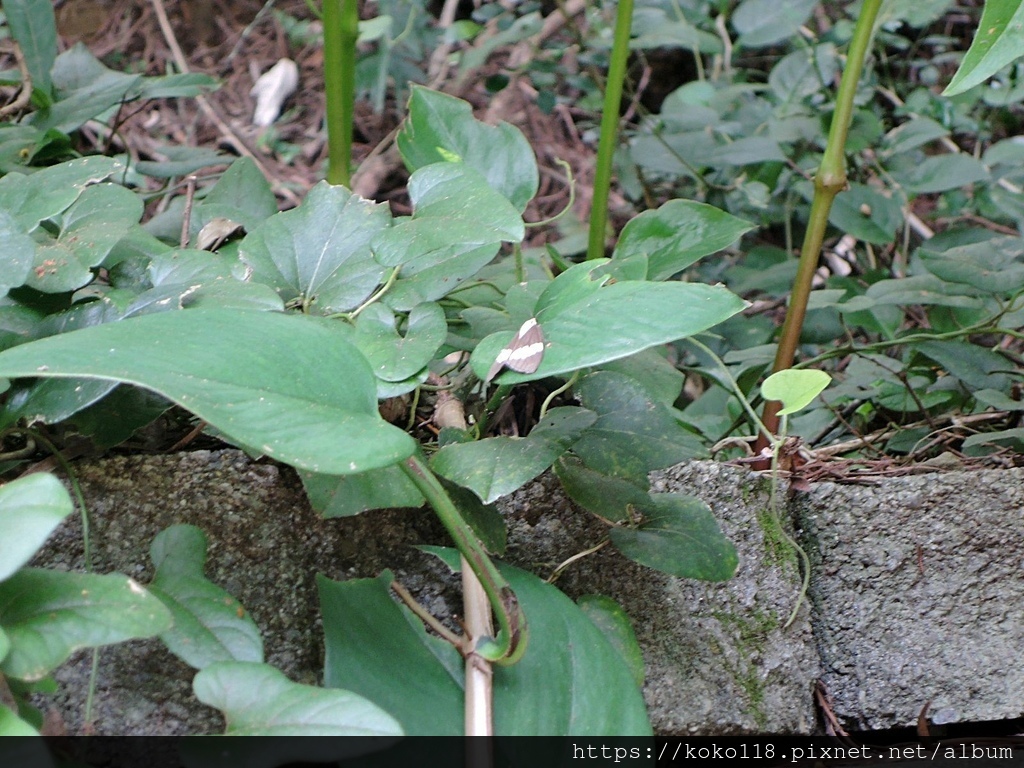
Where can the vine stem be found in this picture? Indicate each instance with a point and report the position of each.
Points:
(829, 181)
(510, 644)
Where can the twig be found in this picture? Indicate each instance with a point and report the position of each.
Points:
(226, 131)
(186, 216)
(24, 96)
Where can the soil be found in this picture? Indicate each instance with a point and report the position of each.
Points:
(237, 41)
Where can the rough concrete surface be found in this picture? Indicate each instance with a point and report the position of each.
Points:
(717, 659)
(918, 590)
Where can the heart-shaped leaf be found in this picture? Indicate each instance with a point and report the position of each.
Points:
(677, 234)
(237, 370)
(393, 357)
(320, 251)
(30, 509)
(795, 388)
(209, 624)
(48, 615)
(258, 700)
(497, 466)
(440, 127)
(679, 536)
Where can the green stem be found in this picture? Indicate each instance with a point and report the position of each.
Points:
(341, 30)
(828, 182)
(609, 129)
(510, 644)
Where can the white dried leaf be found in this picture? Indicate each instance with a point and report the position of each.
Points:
(271, 89)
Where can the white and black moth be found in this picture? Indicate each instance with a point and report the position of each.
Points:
(523, 354)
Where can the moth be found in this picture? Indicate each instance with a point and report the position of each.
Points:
(523, 354)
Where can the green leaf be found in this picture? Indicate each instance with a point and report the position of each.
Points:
(31, 508)
(941, 173)
(916, 289)
(33, 25)
(497, 466)
(614, 322)
(85, 89)
(615, 625)
(485, 519)
(976, 366)
(320, 251)
(994, 266)
(612, 498)
(560, 687)
(677, 234)
(258, 700)
(662, 380)
(866, 214)
(209, 624)
(48, 615)
(237, 370)
(457, 224)
(439, 126)
(998, 41)
(392, 357)
(795, 388)
(679, 536)
(17, 252)
(241, 194)
(90, 228)
(32, 752)
(50, 191)
(633, 434)
(764, 22)
(347, 495)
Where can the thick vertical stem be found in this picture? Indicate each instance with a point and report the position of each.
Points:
(609, 129)
(341, 30)
(829, 181)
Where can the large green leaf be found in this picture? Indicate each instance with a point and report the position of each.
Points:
(998, 41)
(320, 251)
(497, 466)
(30, 509)
(441, 128)
(347, 495)
(678, 535)
(288, 386)
(570, 682)
(33, 25)
(633, 434)
(258, 700)
(209, 624)
(48, 615)
(677, 234)
(614, 322)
